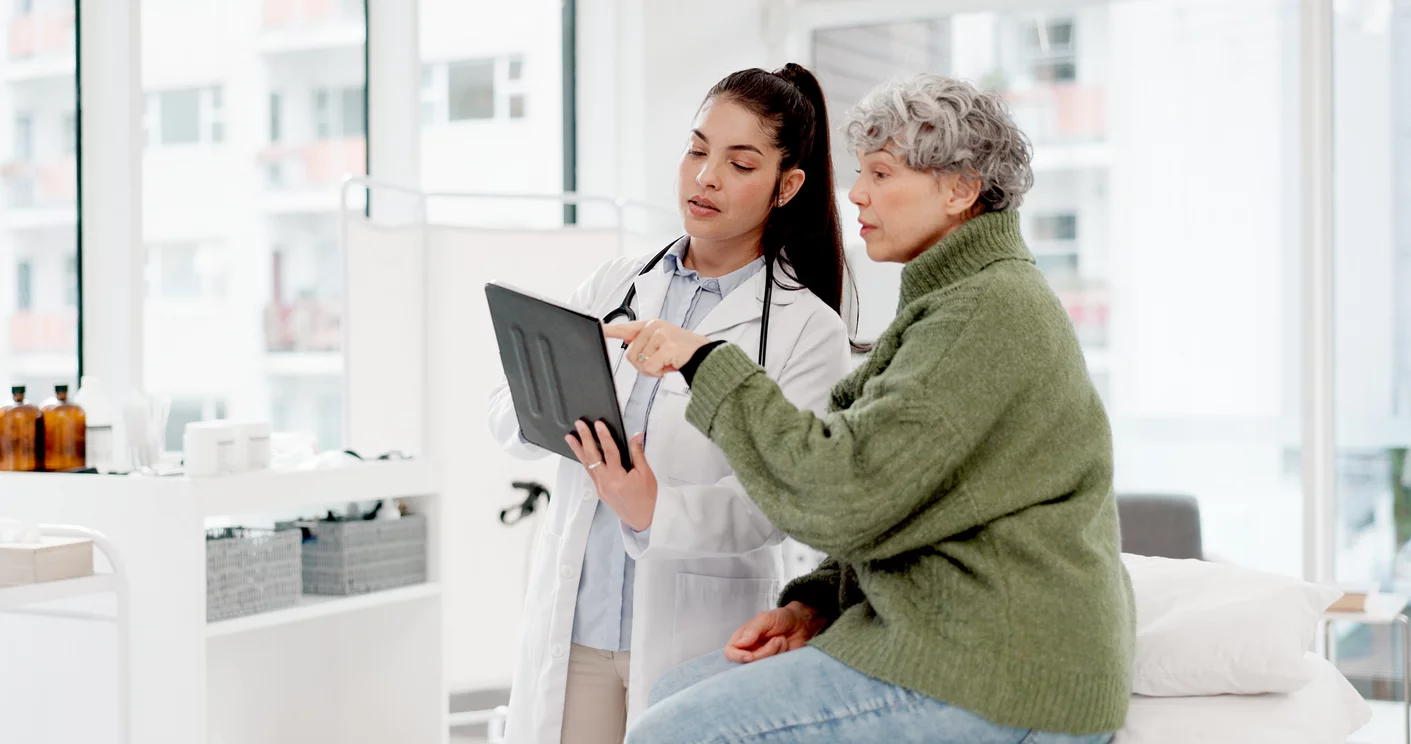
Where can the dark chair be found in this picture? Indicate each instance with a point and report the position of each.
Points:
(1160, 525)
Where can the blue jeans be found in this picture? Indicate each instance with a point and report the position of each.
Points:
(808, 697)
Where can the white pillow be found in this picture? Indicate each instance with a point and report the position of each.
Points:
(1327, 709)
(1213, 629)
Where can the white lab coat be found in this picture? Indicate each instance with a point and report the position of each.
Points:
(711, 560)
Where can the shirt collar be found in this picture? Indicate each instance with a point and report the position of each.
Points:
(673, 263)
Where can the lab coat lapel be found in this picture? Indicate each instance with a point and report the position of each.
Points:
(651, 293)
(744, 305)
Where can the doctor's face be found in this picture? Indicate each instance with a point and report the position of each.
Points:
(728, 172)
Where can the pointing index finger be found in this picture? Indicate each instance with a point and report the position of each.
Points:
(624, 331)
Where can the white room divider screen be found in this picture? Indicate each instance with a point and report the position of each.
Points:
(418, 374)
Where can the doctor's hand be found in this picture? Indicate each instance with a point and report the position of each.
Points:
(656, 347)
(773, 632)
(633, 496)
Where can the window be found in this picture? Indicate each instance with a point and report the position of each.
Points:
(474, 90)
(24, 137)
(179, 278)
(24, 289)
(309, 399)
(850, 60)
(1198, 368)
(1060, 265)
(180, 116)
(514, 87)
(471, 90)
(1372, 324)
(185, 116)
(38, 196)
(508, 88)
(188, 410)
(276, 113)
(339, 113)
(185, 271)
(354, 114)
(1052, 51)
(214, 106)
(1055, 227)
(21, 192)
(215, 216)
(70, 145)
(323, 116)
(71, 282)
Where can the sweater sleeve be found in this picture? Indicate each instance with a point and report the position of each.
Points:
(878, 479)
(818, 589)
(720, 519)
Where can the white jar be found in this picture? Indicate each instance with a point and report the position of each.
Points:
(255, 438)
(209, 448)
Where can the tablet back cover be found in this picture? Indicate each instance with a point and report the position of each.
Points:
(556, 362)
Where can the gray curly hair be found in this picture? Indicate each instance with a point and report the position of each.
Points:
(942, 125)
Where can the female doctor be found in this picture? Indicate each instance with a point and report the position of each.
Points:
(620, 594)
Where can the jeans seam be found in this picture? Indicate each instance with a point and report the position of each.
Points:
(886, 704)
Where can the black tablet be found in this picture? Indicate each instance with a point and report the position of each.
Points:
(555, 359)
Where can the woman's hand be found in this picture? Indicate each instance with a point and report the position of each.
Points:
(656, 347)
(774, 632)
(633, 496)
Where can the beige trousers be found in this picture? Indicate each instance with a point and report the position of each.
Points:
(595, 703)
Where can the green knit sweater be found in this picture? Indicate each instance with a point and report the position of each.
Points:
(962, 488)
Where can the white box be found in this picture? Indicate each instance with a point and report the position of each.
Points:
(50, 559)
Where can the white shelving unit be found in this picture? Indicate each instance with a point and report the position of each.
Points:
(38, 599)
(14, 598)
(366, 668)
(312, 607)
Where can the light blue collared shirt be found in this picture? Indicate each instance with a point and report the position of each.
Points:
(603, 619)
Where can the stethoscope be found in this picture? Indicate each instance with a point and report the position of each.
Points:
(625, 311)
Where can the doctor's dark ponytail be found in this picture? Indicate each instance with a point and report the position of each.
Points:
(804, 236)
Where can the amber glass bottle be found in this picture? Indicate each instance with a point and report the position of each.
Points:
(21, 435)
(65, 430)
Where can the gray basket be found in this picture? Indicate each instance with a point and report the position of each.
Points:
(251, 571)
(361, 556)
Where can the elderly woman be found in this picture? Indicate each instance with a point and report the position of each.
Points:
(961, 483)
